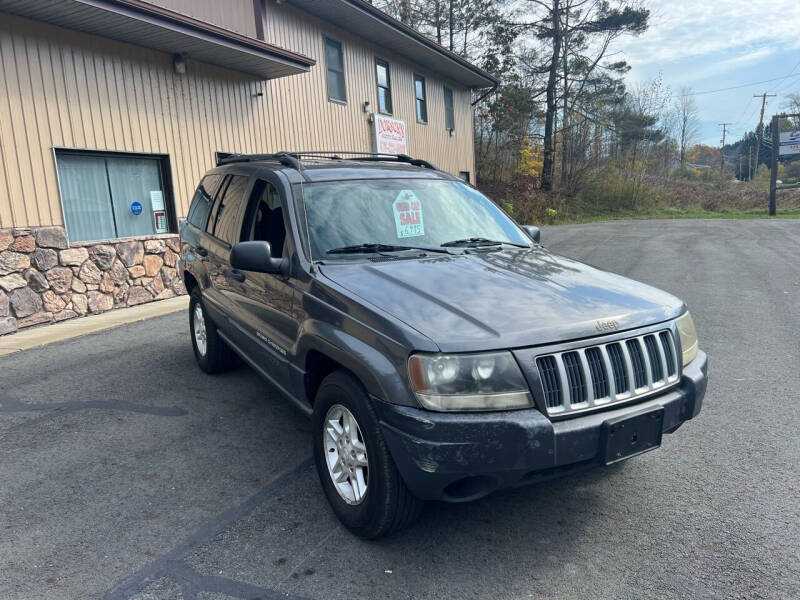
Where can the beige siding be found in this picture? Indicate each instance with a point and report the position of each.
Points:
(295, 30)
(62, 89)
(234, 15)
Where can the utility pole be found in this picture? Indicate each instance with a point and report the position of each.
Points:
(776, 147)
(749, 163)
(722, 149)
(760, 128)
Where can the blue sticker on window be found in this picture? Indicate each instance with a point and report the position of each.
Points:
(136, 207)
(407, 210)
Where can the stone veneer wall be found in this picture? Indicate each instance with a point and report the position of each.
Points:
(44, 279)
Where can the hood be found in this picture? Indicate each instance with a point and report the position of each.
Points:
(504, 299)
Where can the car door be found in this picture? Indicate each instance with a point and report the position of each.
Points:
(222, 232)
(264, 300)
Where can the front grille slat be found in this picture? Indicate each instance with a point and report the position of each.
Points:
(637, 363)
(575, 380)
(620, 371)
(577, 384)
(654, 356)
(669, 352)
(597, 371)
(551, 382)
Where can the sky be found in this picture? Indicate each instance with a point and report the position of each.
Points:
(710, 45)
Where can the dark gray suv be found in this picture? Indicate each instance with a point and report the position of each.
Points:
(441, 352)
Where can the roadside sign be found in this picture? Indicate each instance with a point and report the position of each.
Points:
(790, 143)
(390, 135)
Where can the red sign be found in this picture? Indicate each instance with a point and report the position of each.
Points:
(390, 135)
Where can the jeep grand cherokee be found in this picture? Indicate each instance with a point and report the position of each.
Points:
(440, 350)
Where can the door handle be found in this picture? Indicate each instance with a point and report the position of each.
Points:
(201, 251)
(236, 274)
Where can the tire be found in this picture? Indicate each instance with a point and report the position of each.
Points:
(212, 354)
(388, 505)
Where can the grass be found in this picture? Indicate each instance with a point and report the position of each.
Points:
(675, 213)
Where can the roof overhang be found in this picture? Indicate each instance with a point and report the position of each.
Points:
(374, 25)
(144, 24)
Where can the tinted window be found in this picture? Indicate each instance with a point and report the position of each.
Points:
(421, 98)
(203, 197)
(228, 217)
(449, 112)
(265, 217)
(334, 62)
(384, 86)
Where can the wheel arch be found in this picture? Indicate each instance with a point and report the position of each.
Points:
(320, 355)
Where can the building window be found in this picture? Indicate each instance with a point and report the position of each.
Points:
(449, 113)
(107, 196)
(420, 98)
(334, 62)
(384, 86)
(464, 175)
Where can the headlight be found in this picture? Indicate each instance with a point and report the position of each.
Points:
(688, 337)
(450, 382)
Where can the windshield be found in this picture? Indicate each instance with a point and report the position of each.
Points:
(401, 212)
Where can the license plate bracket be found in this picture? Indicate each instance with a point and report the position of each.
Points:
(630, 435)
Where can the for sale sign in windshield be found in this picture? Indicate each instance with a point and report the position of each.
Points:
(390, 135)
(408, 215)
(790, 143)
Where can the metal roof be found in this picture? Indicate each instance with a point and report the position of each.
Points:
(145, 24)
(374, 25)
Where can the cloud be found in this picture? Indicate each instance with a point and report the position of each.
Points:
(681, 29)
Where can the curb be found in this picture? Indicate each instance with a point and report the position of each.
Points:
(74, 328)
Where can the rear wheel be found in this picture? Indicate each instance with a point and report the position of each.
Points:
(355, 468)
(211, 352)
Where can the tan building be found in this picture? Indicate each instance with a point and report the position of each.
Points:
(111, 111)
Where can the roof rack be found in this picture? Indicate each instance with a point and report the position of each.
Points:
(294, 158)
(282, 157)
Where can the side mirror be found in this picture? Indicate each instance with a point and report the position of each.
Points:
(257, 256)
(534, 232)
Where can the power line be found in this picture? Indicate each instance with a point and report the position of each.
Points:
(735, 87)
(790, 72)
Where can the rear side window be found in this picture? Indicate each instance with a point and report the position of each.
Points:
(227, 223)
(265, 217)
(203, 197)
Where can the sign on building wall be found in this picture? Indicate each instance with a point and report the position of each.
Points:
(790, 143)
(390, 135)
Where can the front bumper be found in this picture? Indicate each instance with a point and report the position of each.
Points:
(458, 457)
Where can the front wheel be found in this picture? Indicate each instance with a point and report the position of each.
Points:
(355, 468)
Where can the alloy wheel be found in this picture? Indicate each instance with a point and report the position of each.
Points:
(199, 324)
(346, 454)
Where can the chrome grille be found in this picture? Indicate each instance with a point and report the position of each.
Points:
(601, 374)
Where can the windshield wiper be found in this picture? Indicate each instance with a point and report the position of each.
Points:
(377, 248)
(481, 241)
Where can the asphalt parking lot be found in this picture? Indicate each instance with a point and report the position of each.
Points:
(125, 472)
